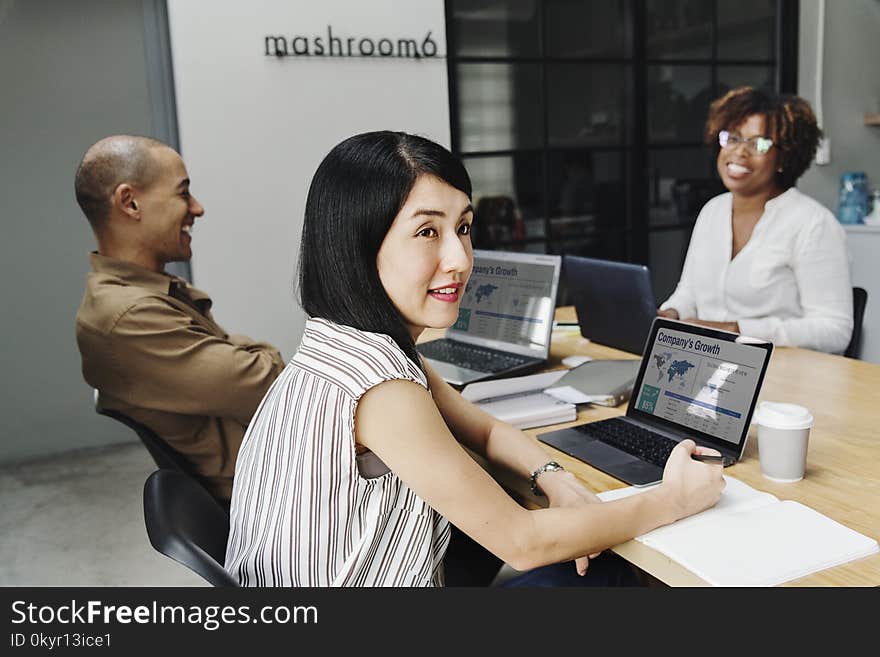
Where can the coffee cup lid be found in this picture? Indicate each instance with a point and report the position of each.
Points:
(779, 415)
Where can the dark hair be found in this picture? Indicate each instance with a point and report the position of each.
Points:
(107, 164)
(357, 191)
(791, 125)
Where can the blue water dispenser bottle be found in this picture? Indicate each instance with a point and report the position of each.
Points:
(852, 205)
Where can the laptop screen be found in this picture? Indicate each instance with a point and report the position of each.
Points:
(700, 381)
(509, 301)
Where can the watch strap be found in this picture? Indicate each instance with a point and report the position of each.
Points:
(549, 466)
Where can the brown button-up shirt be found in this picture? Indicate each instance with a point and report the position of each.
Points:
(151, 348)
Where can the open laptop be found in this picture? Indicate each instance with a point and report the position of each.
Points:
(504, 321)
(693, 382)
(614, 301)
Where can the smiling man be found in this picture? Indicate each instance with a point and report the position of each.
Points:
(148, 342)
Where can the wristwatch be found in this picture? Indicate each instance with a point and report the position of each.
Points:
(550, 466)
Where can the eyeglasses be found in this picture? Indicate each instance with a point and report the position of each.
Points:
(754, 145)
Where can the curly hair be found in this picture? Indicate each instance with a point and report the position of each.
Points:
(790, 123)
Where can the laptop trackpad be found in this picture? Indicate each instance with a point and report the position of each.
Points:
(453, 374)
(604, 457)
(619, 464)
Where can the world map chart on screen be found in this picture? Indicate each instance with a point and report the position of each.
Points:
(666, 365)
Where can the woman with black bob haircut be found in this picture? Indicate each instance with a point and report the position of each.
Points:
(353, 466)
(363, 183)
(764, 259)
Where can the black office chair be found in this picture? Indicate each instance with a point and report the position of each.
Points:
(860, 300)
(184, 522)
(162, 453)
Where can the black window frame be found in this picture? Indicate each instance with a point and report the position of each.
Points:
(635, 176)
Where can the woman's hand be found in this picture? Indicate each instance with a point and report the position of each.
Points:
(563, 489)
(669, 313)
(692, 486)
(733, 327)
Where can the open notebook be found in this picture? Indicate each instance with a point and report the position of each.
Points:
(751, 538)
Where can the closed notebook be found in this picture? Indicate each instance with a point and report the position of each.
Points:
(751, 538)
(605, 382)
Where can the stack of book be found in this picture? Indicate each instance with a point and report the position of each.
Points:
(552, 397)
(521, 401)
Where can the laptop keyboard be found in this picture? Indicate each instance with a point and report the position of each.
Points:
(631, 438)
(480, 359)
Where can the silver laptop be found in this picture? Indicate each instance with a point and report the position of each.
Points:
(693, 382)
(504, 321)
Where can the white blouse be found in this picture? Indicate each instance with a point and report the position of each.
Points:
(789, 284)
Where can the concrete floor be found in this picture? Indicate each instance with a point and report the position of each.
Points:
(77, 520)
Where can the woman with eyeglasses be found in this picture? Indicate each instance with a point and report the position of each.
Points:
(764, 259)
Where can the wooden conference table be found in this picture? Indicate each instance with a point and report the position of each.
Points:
(843, 463)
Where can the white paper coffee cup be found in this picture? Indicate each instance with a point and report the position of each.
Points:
(783, 437)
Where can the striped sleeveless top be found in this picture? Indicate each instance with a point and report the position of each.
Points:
(303, 513)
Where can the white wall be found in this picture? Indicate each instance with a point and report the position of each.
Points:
(851, 87)
(864, 245)
(253, 129)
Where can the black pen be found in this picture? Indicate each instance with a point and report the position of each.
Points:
(711, 458)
